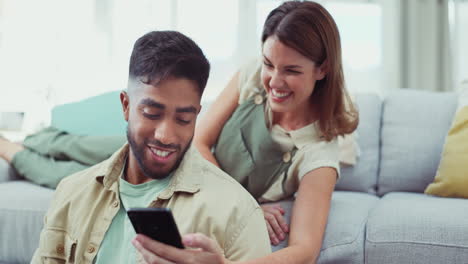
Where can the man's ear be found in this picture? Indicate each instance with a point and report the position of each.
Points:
(125, 101)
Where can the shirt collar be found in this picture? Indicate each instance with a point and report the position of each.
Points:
(109, 171)
(186, 178)
(302, 136)
(299, 137)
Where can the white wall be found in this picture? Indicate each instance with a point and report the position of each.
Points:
(58, 51)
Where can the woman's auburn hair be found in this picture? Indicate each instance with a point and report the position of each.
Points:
(308, 28)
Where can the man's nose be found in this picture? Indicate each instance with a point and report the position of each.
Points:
(165, 132)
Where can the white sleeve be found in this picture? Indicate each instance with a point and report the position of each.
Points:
(249, 80)
(319, 155)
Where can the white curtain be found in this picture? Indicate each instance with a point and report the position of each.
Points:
(458, 17)
(427, 56)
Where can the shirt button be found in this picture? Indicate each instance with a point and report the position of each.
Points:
(258, 99)
(59, 249)
(115, 204)
(91, 249)
(287, 157)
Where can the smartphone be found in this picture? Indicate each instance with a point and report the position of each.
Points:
(156, 223)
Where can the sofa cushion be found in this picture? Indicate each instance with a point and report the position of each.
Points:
(362, 177)
(4, 171)
(452, 176)
(23, 206)
(7, 173)
(414, 126)
(417, 228)
(344, 236)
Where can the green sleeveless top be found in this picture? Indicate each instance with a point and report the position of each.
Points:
(246, 151)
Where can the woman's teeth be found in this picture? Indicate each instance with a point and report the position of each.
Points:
(279, 94)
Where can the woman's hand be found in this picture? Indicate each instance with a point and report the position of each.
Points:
(276, 224)
(202, 250)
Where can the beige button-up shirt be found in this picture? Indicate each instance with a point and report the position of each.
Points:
(202, 198)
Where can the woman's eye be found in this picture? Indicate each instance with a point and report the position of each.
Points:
(267, 64)
(294, 72)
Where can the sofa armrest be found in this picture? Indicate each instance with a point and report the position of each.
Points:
(7, 173)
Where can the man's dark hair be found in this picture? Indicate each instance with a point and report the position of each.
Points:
(159, 55)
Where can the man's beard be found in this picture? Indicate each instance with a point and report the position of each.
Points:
(139, 154)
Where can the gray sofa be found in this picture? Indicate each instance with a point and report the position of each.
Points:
(379, 213)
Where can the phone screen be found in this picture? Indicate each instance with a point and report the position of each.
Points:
(156, 223)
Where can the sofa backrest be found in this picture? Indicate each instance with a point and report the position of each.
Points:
(414, 126)
(99, 115)
(400, 138)
(362, 177)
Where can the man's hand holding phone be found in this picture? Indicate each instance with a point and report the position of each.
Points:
(158, 240)
(201, 250)
(156, 223)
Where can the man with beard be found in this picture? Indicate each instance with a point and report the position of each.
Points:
(87, 221)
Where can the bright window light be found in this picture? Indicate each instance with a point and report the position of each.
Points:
(58, 51)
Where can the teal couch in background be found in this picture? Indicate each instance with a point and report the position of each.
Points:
(99, 115)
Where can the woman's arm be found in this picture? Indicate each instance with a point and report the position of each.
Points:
(311, 209)
(309, 218)
(210, 126)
